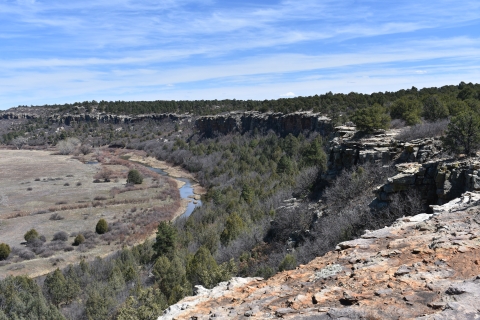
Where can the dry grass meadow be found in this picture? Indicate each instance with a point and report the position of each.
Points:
(54, 193)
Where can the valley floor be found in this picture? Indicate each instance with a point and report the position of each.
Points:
(54, 193)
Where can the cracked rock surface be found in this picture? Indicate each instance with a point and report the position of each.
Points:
(422, 267)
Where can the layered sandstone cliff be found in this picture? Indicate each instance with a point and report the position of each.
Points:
(283, 124)
(345, 150)
(422, 267)
(206, 126)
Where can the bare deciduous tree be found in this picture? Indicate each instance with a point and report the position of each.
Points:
(19, 142)
(68, 145)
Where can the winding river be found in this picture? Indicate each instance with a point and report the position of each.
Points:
(186, 192)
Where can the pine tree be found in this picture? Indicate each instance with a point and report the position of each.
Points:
(97, 305)
(203, 269)
(315, 156)
(371, 118)
(285, 165)
(165, 239)
(463, 133)
(56, 287)
(233, 227)
(248, 194)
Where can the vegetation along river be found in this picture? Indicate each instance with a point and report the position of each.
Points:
(186, 192)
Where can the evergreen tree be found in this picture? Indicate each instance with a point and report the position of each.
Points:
(101, 227)
(291, 145)
(116, 281)
(56, 287)
(169, 274)
(79, 239)
(288, 263)
(4, 251)
(434, 109)
(147, 305)
(72, 284)
(285, 165)
(248, 194)
(315, 156)
(407, 108)
(21, 298)
(165, 239)
(463, 133)
(203, 269)
(371, 118)
(97, 305)
(233, 227)
(134, 177)
(31, 235)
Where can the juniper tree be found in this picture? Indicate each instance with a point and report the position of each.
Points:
(463, 133)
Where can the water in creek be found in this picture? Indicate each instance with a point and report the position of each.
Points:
(186, 192)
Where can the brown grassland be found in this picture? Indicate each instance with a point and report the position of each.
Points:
(55, 193)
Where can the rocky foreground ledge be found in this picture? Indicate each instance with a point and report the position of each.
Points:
(422, 267)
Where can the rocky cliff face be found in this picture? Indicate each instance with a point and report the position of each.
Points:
(208, 126)
(67, 119)
(345, 150)
(423, 267)
(437, 181)
(283, 124)
(17, 116)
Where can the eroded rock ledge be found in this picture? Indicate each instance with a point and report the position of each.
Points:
(345, 150)
(437, 181)
(424, 267)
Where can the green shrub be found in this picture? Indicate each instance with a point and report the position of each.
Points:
(4, 251)
(288, 263)
(134, 177)
(79, 239)
(31, 235)
(102, 226)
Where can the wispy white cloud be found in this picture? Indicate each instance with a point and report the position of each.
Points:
(186, 47)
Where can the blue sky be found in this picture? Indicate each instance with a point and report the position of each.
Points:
(68, 51)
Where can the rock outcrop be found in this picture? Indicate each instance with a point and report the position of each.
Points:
(345, 150)
(437, 181)
(67, 119)
(207, 126)
(422, 267)
(81, 115)
(17, 116)
(283, 124)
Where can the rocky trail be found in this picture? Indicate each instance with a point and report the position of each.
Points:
(422, 267)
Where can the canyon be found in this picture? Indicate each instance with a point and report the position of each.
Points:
(422, 267)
